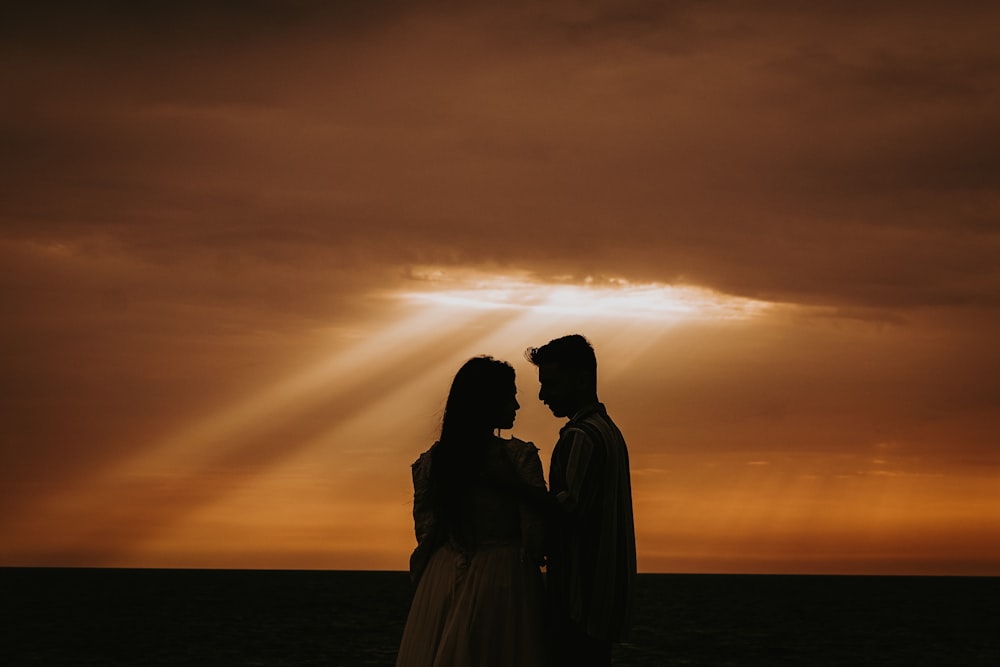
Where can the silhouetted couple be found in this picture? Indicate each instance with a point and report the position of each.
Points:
(485, 525)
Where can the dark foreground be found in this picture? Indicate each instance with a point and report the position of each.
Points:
(56, 617)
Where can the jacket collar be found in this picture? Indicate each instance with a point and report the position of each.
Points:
(583, 413)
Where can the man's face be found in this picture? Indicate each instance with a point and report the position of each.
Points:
(557, 389)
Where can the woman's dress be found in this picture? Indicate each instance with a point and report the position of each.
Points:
(484, 606)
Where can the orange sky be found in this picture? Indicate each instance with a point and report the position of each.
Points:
(244, 251)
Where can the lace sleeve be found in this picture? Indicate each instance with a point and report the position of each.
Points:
(423, 516)
(529, 468)
(423, 512)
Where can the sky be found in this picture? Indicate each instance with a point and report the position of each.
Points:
(246, 246)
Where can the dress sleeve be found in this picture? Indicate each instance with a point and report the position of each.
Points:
(529, 469)
(423, 513)
(423, 517)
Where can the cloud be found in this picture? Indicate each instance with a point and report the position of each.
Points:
(758, 160)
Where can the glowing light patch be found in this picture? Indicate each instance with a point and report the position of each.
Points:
(369, 390)
(611, 298)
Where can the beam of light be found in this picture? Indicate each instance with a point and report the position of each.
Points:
(211, 458)
(438, 314)
(622, 314)
(205, 438)
(377, 388)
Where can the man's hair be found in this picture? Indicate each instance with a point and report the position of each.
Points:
(573, 353)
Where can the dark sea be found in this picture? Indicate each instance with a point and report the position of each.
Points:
(55, 617)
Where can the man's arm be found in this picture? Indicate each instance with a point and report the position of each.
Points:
(580, 450)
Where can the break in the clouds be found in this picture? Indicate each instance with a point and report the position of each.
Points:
(202, 203)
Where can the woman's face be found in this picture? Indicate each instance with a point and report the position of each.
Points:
(508, 409)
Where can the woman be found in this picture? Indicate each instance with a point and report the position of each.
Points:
(479, 593)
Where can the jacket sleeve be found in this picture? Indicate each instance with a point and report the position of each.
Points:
(580, 450)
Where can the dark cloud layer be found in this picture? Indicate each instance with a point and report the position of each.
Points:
(812, 156)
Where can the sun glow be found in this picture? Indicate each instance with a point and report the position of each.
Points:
(605, 298)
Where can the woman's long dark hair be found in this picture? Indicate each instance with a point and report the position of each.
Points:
(475, 401)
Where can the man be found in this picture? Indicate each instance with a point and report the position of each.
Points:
(591, 556)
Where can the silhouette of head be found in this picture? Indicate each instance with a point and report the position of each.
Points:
(482, 398)
(567, 372)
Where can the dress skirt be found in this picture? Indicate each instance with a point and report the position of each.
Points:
(483, 610)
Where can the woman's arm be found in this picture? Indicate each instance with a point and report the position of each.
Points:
(424, 523)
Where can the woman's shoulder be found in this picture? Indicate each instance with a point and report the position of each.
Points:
(518, 447)
(422, 465)
(525, 459)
